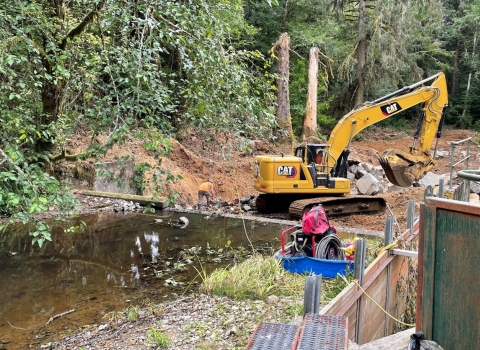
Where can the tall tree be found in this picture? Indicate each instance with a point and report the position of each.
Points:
(472, 62)
(308, 24)
(282, 48)
(310, 120)
(391, 43)
(361, 52)
(461, 36)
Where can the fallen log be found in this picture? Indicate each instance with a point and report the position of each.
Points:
(160, 202)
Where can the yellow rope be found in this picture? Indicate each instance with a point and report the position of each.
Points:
(385, 311)
(387, 247)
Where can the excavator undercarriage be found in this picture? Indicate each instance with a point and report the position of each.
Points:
(334, 206)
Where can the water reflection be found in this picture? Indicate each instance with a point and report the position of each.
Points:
(114, 261)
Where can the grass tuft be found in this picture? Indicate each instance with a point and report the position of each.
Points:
(255, 278)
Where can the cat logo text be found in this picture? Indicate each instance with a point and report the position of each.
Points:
(391, 108)
(288, 171)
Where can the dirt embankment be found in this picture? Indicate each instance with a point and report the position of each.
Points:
(228, 161)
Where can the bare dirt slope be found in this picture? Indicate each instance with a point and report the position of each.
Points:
(228, 161)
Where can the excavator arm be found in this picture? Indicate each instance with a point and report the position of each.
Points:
(402, 167)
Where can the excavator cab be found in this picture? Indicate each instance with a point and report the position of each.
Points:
(311, 153)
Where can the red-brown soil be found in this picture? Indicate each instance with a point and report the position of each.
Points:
(228, 161)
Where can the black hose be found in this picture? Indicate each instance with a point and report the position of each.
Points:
(329, 248)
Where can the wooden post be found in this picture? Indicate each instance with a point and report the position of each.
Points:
(388, 240)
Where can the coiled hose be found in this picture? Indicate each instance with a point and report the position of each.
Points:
(329, 248)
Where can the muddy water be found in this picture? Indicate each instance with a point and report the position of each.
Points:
(114, 262)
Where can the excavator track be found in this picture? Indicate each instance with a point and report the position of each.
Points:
(336, 206)
(268, 203)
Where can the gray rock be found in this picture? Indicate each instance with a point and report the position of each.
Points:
(360, 173)
(245, 199)
(368, 184)
(378, 172)
(272, 299)
(430, 179)
(367, 166)
(393, 188)
(442, 154)
(474, 187)
(353, 168)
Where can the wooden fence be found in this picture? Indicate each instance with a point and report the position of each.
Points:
(383, 286)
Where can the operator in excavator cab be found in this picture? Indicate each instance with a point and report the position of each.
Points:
(319, 156)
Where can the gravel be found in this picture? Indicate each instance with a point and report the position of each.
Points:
(194, 322)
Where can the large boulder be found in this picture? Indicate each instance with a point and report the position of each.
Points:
(430, 179)
(368, 185)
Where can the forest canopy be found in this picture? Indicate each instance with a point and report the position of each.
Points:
(155, 69)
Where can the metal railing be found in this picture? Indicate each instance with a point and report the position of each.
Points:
(467, 157)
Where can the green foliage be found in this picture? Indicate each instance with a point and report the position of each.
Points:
(157, 337)
(132, 312)
(255, 278)
(26, 190)
(110, 67)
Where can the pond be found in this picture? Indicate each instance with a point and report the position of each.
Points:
(112, 261)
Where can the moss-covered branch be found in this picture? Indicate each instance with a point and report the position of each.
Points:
(82, 25)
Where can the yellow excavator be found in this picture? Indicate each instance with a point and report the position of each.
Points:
(317, 173)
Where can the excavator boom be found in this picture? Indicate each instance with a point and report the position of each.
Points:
(401, 167)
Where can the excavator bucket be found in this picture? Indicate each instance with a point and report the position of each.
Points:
(403, 169)
(396, 174)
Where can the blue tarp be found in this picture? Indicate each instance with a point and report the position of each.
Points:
(308, 265)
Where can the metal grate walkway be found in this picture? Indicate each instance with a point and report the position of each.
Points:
(273, 336)
(322, 332)
(319, 332)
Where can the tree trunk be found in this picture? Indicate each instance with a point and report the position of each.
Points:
(471, 64)
(52, 100)
(284, 121)
(53, 92)
(456, 70)
(361, 53)
(310, 120)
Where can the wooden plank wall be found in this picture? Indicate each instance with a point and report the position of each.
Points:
(449, 281)
(373, 321)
